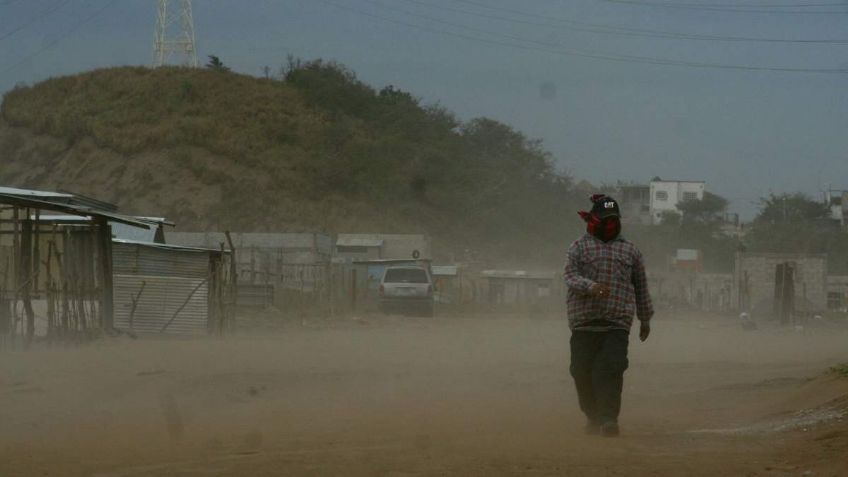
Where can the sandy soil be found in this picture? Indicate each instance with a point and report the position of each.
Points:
(402, 397)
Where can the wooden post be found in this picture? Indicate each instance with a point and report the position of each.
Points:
(233, 285)
(353, 290)
(51, 310)
(104, 251)
(16, 260)
(26, 277)
(36, 251)
(5, 310)
(329, 276)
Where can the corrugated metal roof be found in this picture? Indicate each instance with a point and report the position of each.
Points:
(63, 202)
(119, 230)
(390, 261)
(62, 196)
(167, 246)
(344, 241)
(34, 193)
(128, 232)
(518, 274)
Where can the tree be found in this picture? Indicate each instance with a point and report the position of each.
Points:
(216, 64)
(706, 210)
(794, 208)
(670, 217)
(794, 223)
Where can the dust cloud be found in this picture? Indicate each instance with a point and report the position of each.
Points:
(462, 395)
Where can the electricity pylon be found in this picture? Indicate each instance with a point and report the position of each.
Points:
(174, 34)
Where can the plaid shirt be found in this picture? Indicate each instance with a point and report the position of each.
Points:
(619, 265)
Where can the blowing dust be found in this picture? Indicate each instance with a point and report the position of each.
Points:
(468, 395)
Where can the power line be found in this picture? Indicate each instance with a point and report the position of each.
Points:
(738, 8)
(46, 13)
(734, 5)
(766, 5)
(621, 31)
(67, 33)
(556, 49)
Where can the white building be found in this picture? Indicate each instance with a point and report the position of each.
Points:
(382, 246)
(836, 201)
(665, 195)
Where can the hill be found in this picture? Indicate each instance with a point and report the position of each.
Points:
(316, 150)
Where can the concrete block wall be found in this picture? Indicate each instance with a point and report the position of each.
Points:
(810, 279)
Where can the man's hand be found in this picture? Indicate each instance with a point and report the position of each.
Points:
(644, 330)
(599, 290)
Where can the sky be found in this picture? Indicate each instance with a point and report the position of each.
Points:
(617, 90)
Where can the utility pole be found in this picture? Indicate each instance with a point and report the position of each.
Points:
(174, 34)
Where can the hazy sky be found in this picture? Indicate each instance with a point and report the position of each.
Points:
(523, 62)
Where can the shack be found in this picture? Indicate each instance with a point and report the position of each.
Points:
(171, 289)
(781, 286)
(358, 247)
(61, 274)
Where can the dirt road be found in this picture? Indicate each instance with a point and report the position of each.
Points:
(402, 397)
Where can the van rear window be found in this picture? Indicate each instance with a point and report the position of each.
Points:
(406, 275)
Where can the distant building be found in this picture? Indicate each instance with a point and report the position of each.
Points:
(837, 202)
(732, 226)
(837, 293)
(271, 266)
(779, 285)
(352, 247)
(688, 260)
(666, 195)
(635, 203)
(262, 253)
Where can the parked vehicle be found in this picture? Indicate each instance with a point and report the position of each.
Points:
(407, 290)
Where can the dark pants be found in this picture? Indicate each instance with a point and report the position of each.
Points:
(598, 362)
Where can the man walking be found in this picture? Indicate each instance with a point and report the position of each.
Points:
(607, 285)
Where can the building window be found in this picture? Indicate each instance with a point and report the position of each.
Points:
(690, 196)
(834, 300)
(661, 195)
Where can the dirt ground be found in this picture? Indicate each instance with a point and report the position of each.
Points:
(411, 396)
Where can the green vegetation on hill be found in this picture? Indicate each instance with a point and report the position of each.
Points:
(315, 150)
(319, 150)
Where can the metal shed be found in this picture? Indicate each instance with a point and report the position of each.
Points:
(170, 289)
